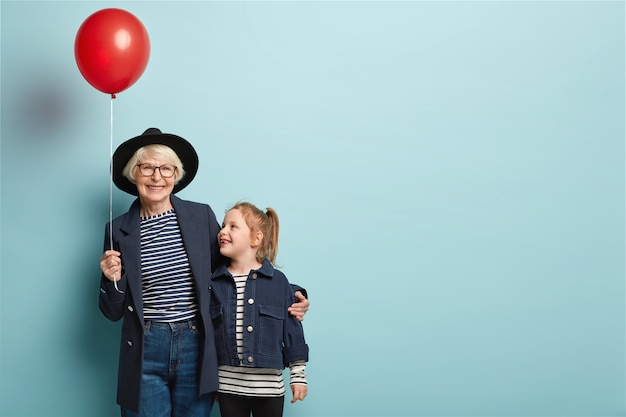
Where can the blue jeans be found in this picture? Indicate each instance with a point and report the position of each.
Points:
(169, 383)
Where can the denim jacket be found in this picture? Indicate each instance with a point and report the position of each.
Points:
(272, 338)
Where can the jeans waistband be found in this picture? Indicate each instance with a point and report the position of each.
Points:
(190, 324)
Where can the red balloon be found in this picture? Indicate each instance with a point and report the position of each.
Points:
(112, 50)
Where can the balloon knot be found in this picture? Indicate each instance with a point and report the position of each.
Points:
(112, 96)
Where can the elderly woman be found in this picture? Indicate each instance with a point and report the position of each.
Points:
(156, 272)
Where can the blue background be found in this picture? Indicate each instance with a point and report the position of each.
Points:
(449, 178)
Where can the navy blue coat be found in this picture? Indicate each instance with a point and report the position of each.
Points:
(199, 229)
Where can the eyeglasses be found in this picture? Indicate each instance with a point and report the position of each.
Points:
(147, 170)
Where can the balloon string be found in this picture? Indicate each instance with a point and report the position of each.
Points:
(111, 191)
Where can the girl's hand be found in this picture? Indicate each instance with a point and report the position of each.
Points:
(299, 391)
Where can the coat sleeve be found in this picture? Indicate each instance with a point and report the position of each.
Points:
(214, 228)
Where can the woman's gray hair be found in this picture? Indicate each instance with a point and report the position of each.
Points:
(156, 151)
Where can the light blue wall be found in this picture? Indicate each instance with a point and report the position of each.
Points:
(449, 177)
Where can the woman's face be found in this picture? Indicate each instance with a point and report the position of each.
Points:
(154, 189)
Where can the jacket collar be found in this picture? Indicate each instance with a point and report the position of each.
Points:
(266, 270)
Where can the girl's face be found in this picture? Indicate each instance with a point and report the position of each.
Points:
(235, 238)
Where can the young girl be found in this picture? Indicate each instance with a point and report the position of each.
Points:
(256, 338)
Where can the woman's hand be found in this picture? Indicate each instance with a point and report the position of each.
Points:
(299, 308)
(111, 265)
(299, 391)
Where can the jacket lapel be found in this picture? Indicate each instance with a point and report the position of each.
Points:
(191, 231)
(130, 243)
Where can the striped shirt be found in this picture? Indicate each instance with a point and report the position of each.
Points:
(167, 283)
(258, 382)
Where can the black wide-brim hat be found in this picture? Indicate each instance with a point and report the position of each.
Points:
(154, 136)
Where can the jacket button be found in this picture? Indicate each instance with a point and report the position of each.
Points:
(249, 329)
(251, 301)
(131, 309)
(129, 343)
(250, 360)
(254, 276)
